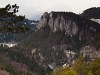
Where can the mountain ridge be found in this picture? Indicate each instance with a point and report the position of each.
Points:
(68, 22)
(49, 46)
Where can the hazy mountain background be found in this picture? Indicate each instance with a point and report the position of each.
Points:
(31, 8)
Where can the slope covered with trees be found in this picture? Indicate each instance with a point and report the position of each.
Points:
(93, 12)
(80, 68)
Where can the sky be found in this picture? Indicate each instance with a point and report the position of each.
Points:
(33, 9)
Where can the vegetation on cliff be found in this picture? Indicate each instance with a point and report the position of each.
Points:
(80, 67)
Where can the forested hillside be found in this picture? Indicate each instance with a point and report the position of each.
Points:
(93, 12)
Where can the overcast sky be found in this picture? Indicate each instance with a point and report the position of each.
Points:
(32, 8)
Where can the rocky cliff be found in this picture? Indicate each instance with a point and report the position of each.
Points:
(69, 22)
(79, 30)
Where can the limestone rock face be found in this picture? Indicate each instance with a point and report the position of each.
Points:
(72, 24)
(58, 21)
(43, 21)
(89, 51)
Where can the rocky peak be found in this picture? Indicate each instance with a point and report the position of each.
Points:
(68, 22)
(58, 21)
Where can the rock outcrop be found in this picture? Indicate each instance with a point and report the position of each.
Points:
(90, 53)
(72, 24)
(58, 21)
